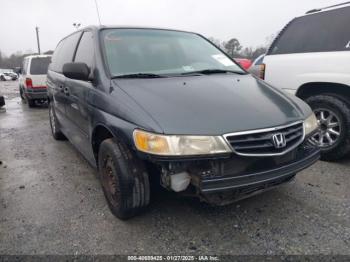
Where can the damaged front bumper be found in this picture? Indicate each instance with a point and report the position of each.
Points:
(229, 178)
(303, 159)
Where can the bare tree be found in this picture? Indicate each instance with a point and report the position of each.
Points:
(253, 52)
(215, 41)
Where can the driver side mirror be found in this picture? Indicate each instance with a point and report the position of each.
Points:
(78, 71)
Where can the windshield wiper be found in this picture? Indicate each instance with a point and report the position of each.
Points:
(139, 75)
(214, 71)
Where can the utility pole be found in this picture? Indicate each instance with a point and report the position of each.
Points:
(37, 38)
(98, 13)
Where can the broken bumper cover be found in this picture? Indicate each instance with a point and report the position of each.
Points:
(261, 180)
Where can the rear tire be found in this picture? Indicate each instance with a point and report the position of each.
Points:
(54, 124)
(336, 115)
(124, 179)
(21, 93)
(31, 102)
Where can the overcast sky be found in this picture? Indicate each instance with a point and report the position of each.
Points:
(251, 21)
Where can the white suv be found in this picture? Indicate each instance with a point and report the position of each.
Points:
(32, 80)
(311, 59)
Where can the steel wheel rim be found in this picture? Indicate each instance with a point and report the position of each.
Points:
(52, 120)
(330, 128)
(110, 183)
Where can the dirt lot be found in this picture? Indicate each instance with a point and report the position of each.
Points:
(51, 202)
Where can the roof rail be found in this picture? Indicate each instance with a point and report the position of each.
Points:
(327, 7)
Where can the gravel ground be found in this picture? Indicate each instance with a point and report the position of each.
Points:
(51, 202)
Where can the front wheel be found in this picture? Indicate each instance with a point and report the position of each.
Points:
(124, 179)
(333, 115)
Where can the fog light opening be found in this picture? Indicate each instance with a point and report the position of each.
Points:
(180, 181)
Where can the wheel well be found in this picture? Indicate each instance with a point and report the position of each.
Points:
(311, 89)
(99, 134)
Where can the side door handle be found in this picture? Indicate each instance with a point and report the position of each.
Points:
(66, 91)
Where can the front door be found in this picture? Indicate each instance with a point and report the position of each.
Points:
(76, 92)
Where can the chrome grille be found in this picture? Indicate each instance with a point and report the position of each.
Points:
(261, 142)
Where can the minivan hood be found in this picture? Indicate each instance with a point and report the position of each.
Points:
(213, 104)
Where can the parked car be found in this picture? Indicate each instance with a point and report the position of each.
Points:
(32, 80)
(311, 59)
(244, 62)
(257, 67)
(5, 77)
(13, 75)
(158, 106)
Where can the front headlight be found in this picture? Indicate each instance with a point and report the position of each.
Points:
(174, 145)
(310, 124)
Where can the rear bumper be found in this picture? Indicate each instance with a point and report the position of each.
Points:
(264, 179)
(36, 93)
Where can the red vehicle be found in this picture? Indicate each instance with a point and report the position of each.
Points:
(245, 63)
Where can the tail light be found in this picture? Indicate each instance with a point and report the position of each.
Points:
(29, 83)
(262, 68)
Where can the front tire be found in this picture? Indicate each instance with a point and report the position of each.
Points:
(333, 115)
(124, 179)
(54, 124)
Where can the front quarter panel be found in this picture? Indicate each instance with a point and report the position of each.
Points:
(119, 113)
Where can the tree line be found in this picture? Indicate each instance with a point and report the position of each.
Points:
(235, 50)
(15, 60)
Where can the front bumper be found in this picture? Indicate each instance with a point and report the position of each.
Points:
(262, 179)
(227, 179)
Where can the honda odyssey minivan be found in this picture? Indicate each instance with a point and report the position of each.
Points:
(156, 106)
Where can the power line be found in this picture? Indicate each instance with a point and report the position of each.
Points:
(98, 13)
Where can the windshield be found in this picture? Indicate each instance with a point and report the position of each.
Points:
(39, 65)
(161, 52)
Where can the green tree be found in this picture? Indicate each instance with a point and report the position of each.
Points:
(233, 47)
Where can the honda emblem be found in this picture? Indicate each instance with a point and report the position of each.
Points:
(279, 140)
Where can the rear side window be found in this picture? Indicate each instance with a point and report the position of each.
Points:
(85, 51)
(320, 32)
(39, 65)
(25, 65)
(64, 52)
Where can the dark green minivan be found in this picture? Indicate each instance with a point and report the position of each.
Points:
(149, 106)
